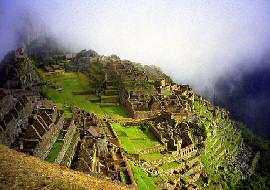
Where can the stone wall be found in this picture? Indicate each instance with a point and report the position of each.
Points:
(128, 108)
(152, 149)
(116, 136)
(144, 114)
(5, 105)
(130, 173)
(69, 157)
(171, 171)
(112, 99)
(187, 151)
(14, 121)
(66, 141)
(158, 135)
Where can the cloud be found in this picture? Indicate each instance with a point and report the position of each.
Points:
(18, 25)
(196, 42)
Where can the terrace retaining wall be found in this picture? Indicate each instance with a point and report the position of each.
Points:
(67, 140)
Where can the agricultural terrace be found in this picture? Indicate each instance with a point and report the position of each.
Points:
(134, 140)
(72, 88)
(143, 180)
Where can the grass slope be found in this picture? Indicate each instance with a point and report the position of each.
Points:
(78, 82)
(134, 139)
(144, 182)
(20, 171)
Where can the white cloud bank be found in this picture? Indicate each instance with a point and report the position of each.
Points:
(195, 42)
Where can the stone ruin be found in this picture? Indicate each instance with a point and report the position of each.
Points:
(14, 116)
(144, 98)
(143, 92)
(99, 151)
(174, 136)
(42, 132)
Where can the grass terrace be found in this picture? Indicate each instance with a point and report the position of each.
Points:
(71, 82)
(114, 111)
(144, 182)
(169, 165)
(133, 139)
(153, 156)
(55, 149)
(70, 149)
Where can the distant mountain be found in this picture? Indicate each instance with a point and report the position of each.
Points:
(248, 98)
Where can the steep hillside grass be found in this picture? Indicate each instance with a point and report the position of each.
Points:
(20, 171)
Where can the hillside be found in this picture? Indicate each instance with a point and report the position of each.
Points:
(20, 171)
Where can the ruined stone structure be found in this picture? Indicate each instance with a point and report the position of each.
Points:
(42, 132)
(14, 117)
(143, 98)
(174, 137)
(100, 150)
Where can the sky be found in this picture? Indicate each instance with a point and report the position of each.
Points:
(195, 42)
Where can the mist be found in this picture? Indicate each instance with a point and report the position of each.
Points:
(195, 42)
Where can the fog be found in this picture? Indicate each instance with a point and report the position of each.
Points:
(195, 42)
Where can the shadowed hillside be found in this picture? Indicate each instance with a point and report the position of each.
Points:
(248, 99)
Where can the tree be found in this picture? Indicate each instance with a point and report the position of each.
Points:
(144, 126)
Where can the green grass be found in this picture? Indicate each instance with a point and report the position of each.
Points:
(169, 165)
(72, 82)
(197, 105)
(134, 139)
(153, 156)
(95, 98)
(68, 114)
(108, 97)
(167, 93)
(61, 136)
(78, 100)
(115, 111)
(144, 182)
(55, 151)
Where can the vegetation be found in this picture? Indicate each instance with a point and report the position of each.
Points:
(261, 178)
(84, 53)
(28, 172)
(144, 126)
(71, 82)
(144, 182)
(77, 89)
(169, 165)
(55, 151)
(70, 149)
(153, 156)
(134, 139)
(199, 130)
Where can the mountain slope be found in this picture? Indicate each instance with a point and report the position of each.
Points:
(20, 171)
